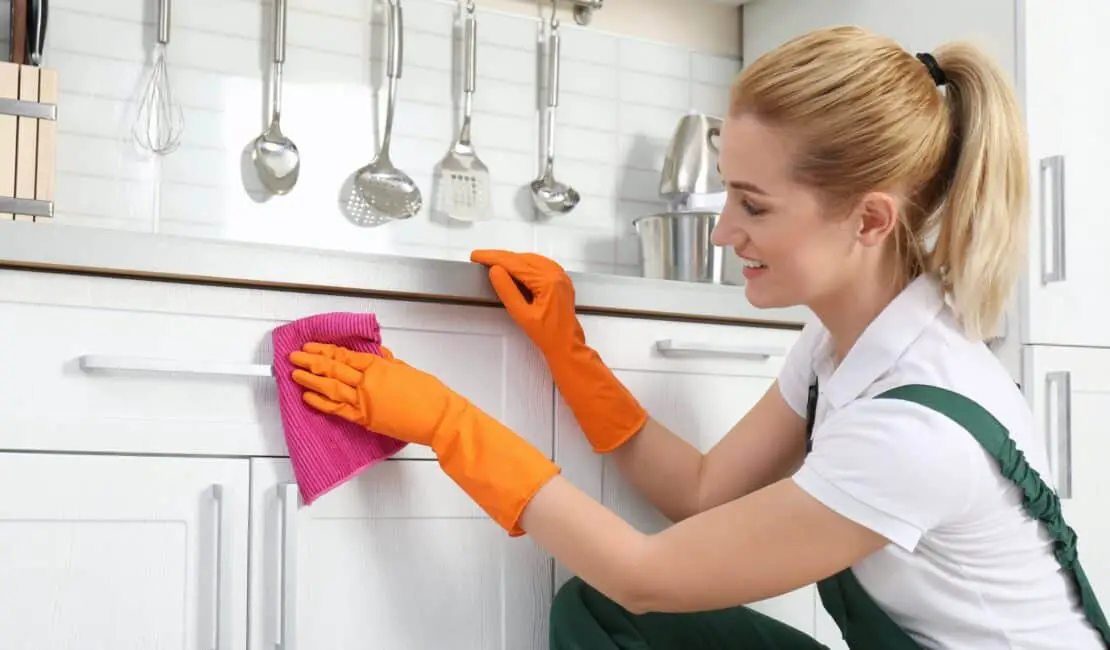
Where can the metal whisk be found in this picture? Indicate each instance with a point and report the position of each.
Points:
(159, 122)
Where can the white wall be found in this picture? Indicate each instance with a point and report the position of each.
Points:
(620, 101)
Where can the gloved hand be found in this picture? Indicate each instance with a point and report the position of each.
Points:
(539, 296)
(498, 469)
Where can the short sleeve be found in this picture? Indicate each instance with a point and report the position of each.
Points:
(797, 369)
(892, 466)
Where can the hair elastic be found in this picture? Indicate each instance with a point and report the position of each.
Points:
(939, 78)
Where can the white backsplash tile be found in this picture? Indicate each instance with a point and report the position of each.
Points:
(711, 69)
(620, 99)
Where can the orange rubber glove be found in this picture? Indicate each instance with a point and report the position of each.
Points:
(539, 296)
(498, 469)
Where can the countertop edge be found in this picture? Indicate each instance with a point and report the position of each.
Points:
(39, 246)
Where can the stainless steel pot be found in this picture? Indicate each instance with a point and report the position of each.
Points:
(676, 246)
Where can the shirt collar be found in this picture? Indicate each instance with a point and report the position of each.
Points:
(881, 344)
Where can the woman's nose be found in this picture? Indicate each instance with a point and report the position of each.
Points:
(726, 232)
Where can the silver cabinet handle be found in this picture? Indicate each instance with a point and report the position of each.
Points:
(287, 614)
(1058, 429)
(671, 347)
(111, 362)
(1054, 247)
(217, 493)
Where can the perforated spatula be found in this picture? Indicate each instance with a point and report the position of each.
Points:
(464, 181)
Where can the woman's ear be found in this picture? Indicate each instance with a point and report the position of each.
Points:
(878, 215)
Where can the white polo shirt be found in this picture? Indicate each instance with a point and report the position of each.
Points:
(967, 569)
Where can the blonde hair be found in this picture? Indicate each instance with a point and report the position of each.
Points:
(869, 115)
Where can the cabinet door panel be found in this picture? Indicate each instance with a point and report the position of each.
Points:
(399, 557)
(121, 552)
(1069, 389)
(1067, 98)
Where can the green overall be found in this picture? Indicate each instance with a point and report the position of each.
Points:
(583, 619)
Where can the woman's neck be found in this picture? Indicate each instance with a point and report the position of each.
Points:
(848, 312)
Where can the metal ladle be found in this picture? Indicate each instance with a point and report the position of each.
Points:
(387, 191)
(551, 197)
(275, 157)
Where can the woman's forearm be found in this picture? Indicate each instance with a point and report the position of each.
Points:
(664, 468)
(590, 540)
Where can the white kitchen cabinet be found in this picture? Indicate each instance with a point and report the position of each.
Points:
(1067, 98)
(123, 552)
(1069, 389)
(399, 557)
(696, 379)
(48, 402)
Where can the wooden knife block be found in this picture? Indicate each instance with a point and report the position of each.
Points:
(28, 132)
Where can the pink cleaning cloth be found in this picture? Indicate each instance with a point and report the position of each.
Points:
(326, 450)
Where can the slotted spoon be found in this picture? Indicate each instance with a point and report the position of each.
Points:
(387, 192)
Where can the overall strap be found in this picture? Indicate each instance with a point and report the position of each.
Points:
(1040, 500)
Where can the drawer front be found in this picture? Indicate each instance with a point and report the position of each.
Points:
(650, 345)
(174, 336)
(697, 379)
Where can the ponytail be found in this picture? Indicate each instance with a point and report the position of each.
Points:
(982, 217)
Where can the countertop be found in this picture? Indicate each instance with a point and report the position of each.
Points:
(55, 247)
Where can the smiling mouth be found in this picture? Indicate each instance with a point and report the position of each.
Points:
(752, 264)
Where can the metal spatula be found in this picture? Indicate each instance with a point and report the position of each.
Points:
(464, 182)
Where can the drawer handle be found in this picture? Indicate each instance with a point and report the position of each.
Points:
(172, 366)
(287, 611)
(671, 347)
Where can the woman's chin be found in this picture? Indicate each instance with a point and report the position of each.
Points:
(761, 297)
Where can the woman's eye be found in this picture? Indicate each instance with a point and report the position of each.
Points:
(751, 208)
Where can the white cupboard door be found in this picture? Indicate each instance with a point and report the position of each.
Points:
(122, 553)
(1067, 98)
(1069, 389)
(698, 380)
(398, 557)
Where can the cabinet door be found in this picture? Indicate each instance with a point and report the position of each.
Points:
(696, 379)
(126, 553)
(398, 557)
(1067, 98)
(1069, 389)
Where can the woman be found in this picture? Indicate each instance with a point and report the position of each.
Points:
(873, 466)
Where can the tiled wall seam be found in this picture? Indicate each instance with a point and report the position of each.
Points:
(619, 102)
